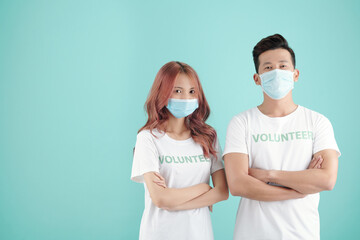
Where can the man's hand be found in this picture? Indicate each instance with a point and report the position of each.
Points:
(316, 162)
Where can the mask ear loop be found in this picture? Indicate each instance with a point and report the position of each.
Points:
(261, 83)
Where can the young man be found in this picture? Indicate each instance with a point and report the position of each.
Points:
(279, 156)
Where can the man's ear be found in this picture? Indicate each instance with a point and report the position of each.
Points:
(296, 75)
(257, 79)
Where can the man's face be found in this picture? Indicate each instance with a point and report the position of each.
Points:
(275, 59)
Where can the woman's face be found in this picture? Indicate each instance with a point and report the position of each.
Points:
(184, 88)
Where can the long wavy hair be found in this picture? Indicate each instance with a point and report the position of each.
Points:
(158, 114)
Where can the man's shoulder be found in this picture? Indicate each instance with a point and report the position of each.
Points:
(243, 118)
(311, 113)
(245, 114)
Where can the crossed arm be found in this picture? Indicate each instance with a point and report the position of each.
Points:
(311, 180)
(200, 195)
(251, 183)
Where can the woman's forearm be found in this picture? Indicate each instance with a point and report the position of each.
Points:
(209, 198)
(169, 198)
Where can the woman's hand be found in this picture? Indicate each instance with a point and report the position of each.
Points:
(160, 181)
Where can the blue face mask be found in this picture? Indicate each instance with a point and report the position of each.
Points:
(277, 83)
(182, 107)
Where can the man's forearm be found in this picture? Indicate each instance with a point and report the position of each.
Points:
(315, 179)
(307, 181)
(252, 188)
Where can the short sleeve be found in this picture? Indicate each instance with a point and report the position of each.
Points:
(324, 136)
(236, 137)
(216, 163)
(146, 157)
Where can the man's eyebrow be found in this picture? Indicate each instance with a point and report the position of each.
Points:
(279, 61)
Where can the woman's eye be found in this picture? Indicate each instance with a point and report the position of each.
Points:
(192, 91)
(268, 67)
(283, 66)
(178, 91)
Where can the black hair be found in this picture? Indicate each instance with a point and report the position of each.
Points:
(270, 43)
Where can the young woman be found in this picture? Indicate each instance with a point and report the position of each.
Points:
(175, 154)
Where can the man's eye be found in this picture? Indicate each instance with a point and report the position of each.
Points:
(268, 67)
(283, 66)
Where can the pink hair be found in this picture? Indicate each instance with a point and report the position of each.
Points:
(158, 114)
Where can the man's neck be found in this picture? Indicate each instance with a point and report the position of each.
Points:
(278, 108)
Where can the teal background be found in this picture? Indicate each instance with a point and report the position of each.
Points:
(74, 76)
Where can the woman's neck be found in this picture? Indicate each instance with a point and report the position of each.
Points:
(177, 129)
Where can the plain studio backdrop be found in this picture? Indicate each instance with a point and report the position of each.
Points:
(74, 77)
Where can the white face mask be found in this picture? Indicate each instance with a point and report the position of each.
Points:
(181, 108)
(277, 83)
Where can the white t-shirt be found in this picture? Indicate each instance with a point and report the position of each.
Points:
(284, 143)
(182, 164)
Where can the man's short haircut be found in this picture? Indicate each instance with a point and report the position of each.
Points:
(270, 43)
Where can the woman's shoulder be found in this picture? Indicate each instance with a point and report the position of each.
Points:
(149, 134)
